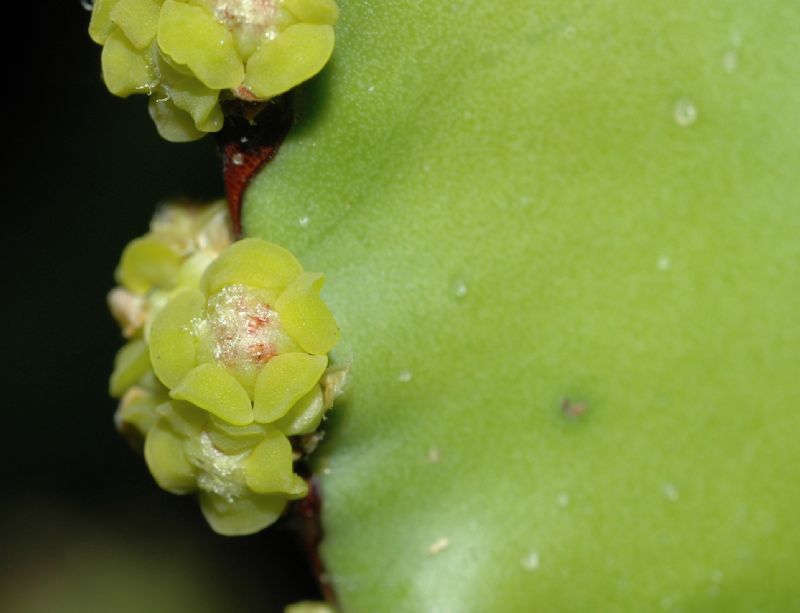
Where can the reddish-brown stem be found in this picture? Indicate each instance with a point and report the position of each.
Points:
(248, 141)
(308, 510)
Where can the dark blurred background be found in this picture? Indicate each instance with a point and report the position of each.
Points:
(83, 527)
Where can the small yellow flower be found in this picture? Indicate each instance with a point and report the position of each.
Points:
(250, 341)
(188, 54)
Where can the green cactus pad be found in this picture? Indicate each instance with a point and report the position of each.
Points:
(561, 241)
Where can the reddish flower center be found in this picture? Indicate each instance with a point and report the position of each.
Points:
(244, 328)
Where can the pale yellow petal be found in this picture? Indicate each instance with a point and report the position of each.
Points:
(294, 56)
(306, 317)
(214, 389)
(254, 263)
(283, 381)
(173, 350)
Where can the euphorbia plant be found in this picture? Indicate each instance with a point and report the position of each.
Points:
(561, 244)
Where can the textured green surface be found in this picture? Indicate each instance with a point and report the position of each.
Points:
(523, 203)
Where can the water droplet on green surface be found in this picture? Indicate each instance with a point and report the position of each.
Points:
(438, 546)
(730, 61)
(670, 492)
(684, 113)
(531, 561)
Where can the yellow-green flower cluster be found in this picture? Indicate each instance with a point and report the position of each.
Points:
(230, 363)
(183, 240)
(185, 54)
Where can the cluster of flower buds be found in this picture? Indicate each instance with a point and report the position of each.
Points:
(187, 55)
(227, 359)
